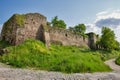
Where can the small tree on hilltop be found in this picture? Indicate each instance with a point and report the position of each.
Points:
(80, 28)
(71, 28)
(58, 23)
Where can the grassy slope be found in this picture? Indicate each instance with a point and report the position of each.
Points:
(34, 54)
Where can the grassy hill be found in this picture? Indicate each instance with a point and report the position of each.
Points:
(69, 59)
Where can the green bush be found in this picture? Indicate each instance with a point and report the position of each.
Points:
(117, 61)
(4, 44)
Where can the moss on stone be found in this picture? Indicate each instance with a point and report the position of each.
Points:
(46, 27)
(20, 19)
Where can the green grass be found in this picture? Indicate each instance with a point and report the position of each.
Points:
(69, 59)
(106, 55)
(4, 44)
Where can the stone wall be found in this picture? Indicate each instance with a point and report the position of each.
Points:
(8, 32)
(66, 37)
(34, 25)
(27, 26)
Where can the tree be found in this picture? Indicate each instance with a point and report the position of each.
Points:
(71, 29)
(58, 23)
(49, 23)
(107, 40)
(80, 28)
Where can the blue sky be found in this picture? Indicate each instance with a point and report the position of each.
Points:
(89, 12)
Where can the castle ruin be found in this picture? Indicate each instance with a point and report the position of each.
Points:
(34, 26)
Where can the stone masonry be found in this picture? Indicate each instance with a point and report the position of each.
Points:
(34, 25)
(66, 37)
(21, 27)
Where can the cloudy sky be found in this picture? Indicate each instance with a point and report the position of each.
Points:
(94, 13)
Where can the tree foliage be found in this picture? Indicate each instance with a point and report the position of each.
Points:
(79, 29)
(107, 40)
(58, 23)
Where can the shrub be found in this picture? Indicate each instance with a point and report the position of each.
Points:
(117, 61)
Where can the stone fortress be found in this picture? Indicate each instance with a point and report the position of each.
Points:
(34, 26)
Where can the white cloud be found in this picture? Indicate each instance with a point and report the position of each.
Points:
(106, 18)
(117, 33)
(93, 28)
(110, 19)
(108, 14)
